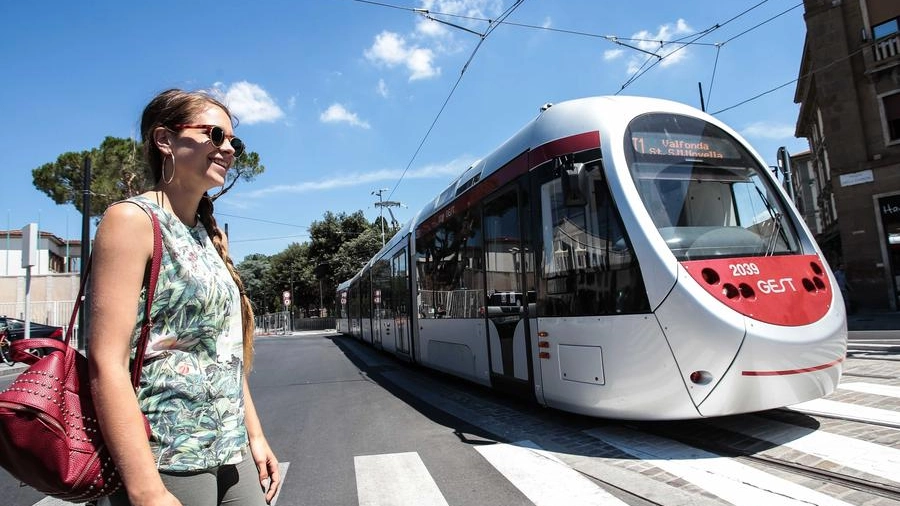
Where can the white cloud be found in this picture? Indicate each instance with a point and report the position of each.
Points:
(447, 170)
(612, 54)
(418, 51)
(249, 102)
(768, 130)
(658, 43)
(337, 113)
(382, 88)
(391, 50)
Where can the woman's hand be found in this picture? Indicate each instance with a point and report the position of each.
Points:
(267, 465)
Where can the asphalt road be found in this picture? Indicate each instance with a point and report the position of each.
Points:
(329, 418)
(340, 429)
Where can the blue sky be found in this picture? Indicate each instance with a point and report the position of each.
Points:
(336, 96)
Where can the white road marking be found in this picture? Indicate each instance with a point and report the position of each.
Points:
(544, 479)
(52, 501)
(395, 479)
(870, 458)
(872, 388)
(849, 411)
(732, 481)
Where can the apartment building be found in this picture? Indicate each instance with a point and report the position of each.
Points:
(849, 96)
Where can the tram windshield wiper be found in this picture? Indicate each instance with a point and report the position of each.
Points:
(777, 227)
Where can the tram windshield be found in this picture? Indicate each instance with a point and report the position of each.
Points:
(706, 194)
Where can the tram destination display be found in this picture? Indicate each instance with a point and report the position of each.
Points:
(682, 145)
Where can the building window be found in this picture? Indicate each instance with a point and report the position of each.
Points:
(885, 29)
(891, 106)
(57, 263)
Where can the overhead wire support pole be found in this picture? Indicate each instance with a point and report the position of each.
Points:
(389, 204)
(380, 192)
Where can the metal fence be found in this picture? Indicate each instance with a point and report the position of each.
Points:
(55, 313)
(280, 323)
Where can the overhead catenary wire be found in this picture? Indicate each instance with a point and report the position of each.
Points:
(696, 37)
(492, 25)
(712, 78)
(614, 39)
(811, 72)
(259, 239)
(655, 58)
(261, 220)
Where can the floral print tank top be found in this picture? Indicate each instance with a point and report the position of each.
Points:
(191, 384)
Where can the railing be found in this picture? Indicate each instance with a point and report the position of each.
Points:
(280, 323)
(56, 313)
(47, 312)
(887, 47)
(273, 323)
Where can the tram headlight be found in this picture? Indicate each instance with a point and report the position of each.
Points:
(700, 377)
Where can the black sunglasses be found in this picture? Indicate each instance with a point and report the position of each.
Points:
(217, 136)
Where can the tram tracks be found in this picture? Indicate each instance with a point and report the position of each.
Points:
(634, 460)
(860, 484)
(742, 448)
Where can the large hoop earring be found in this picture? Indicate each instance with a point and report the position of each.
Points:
(168, 181)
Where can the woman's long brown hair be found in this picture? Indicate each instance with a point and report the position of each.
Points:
(170, 108)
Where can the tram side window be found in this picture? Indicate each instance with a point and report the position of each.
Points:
(399, 284)
(365, 295)
(382, 293)
(340, 309)
(450, 268)
(354, 301)
(589, 267)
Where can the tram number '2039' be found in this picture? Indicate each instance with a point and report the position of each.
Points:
(765, 285)
(747, 269)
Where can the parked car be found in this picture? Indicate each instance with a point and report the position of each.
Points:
(13, 329)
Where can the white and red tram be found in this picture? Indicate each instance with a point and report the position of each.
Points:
(619, 257)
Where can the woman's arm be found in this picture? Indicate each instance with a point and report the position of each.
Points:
(122, 248)
(266, 463)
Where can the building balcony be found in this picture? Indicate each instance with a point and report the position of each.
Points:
(886, 49)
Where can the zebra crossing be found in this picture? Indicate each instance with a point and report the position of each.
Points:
(548, 478)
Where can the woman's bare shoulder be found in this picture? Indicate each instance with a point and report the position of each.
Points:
(125, 226)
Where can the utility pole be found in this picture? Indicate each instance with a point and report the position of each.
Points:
(380, 203)
(702, 104)
(784, 160)
(85, 250)
(388, 204)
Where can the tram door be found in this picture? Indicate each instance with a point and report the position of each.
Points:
(506, 302)
(400, 291)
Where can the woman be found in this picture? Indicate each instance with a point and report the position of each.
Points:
(207, 445)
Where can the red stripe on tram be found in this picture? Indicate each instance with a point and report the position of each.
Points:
(787, 372)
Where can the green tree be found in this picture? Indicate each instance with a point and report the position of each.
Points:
(339, 245)
(253, 269)
(118, 171)
(290, 269)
